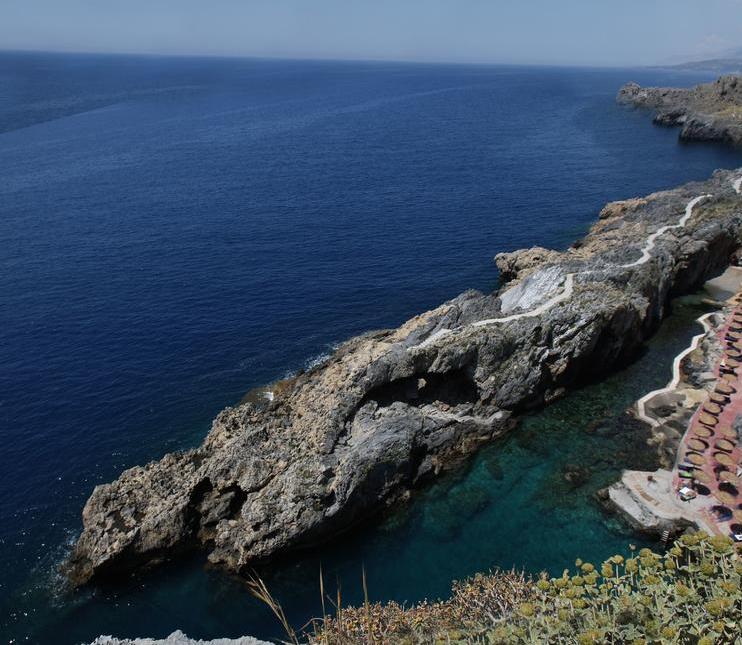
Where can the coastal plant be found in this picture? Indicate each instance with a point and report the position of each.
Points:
(480, 599)
(688, 595)
(259, 590)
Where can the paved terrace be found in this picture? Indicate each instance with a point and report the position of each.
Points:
(709, 455)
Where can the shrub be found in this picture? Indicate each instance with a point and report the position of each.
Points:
(691, 594)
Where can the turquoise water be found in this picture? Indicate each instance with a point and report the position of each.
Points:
(177, 231)
(511, 506)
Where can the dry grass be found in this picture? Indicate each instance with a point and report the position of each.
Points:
(474, 603)
(690, 595)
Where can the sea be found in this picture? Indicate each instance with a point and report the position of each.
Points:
(176, 231)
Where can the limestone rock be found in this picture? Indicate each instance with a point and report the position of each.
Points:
(620, 208)
(710, 112)
(176, 638)
(392, 408)
(520, 264)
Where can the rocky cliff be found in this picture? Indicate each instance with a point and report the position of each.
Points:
(392, 408)
(710, 112)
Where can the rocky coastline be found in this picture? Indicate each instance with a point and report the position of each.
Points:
(393, 408)
(708, 112)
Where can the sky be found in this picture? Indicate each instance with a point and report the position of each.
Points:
(573, 32)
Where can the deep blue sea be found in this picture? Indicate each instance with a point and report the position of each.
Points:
(177, 231)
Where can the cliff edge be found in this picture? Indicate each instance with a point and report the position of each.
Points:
(709, 112)
(392, 408)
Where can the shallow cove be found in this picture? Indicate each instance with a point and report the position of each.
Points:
(526, 501)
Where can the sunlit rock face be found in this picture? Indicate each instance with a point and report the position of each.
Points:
(710, 112)
(394, 407)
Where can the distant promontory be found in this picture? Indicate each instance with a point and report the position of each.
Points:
(709, 112)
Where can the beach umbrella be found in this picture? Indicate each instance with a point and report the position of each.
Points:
(707, 419)
(730, 362)
(737, 515)
(724, 498)
(695, 458)
(724, 388)
(725, 444)
(702, 476)
(697, 444)
(702, 432)
(726, 476)
(724, 459)
(729, 377)
(719, 399)
(726, 432)
(712, 408)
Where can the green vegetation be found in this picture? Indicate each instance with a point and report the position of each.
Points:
(691, 594)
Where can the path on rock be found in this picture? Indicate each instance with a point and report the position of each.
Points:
(568, 288)
(360, 431)
(641, 404)
(647, 250)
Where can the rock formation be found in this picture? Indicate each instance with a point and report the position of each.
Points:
(710, 112)
(176, 638)
(392, 408)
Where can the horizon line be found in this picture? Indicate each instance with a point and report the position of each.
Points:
(338, 59)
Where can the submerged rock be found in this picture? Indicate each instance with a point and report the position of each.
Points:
(392, 408)
(576, 475)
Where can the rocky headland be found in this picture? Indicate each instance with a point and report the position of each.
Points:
(393, 408)
(708, 112)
